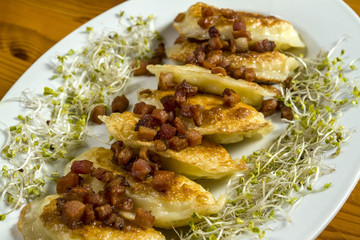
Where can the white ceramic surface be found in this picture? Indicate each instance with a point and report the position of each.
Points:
(320, 23)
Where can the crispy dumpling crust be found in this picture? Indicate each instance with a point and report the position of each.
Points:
(207, 160)
(173, 207)
(250, 93)
(41, 220)
(270, 67)
(261, 27)
(222, 124)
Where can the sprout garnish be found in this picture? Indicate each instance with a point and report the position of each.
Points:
(278, 177)
(89, 76)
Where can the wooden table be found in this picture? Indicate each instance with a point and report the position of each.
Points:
(28, 28)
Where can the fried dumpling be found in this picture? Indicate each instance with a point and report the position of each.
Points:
(207, 160)
(221, 124)
(260, 27)
(171, 208)
(41, 220)
(251, 93)
(270, 67)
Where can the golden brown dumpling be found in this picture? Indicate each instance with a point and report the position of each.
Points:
(270, 67)
(250, 93)
(221, 124)
(173, 207)
(207, 160)
(260, 27)
(41, 220)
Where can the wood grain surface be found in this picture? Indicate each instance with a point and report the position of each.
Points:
(28, 28)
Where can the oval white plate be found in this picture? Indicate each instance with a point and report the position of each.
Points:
(320, 23)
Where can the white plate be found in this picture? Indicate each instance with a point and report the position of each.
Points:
(320, 23)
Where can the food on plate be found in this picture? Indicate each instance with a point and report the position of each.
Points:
(207, 160)
(250, 93)
(269, 67)
(197, 20)
(220, 123)
(171, 200)
(41, 219)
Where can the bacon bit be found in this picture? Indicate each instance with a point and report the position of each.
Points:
(188, 89)
(120, 104)
(115, 221)
(286, 112)
(77, 193)
(160, 114)
(82, 167)
(241, 34)
(60, 202)
(144, 153)
(194, 137)
(214, 57)
(126, 204)
(229, 13)
(233, 45)
(114, 194)
(230, 98)
(180, 17)
(239, 24)
(103, 212)
(204, 22)
(236, 72)
(287, 82)
(166, 81)
(96, 199)
(171, 116)
(263, 46)
(224, 63)
(88, 215)
(160, 145)
(200, 56)
(142, 68)
(177, 144)
(179, 39)
(268, 107)
(208, 65)
(185, 110)
(197, 114)
(191, 58)
(180, 126)
(146, 134)
(147, 121)
(143, 218)
(215, 43)
(160, 52)
(124, 156)
(207, 12)
(249, 74)
(66, 182)
(180, 98)
(116, 147)
(142, 108)
(163, 180)
(102, 174)
(96, 112)
(72, 213)
(167, 131)
(154, 60)
(168, 102)
(213, 32)
(140, 169)
(218, 70)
